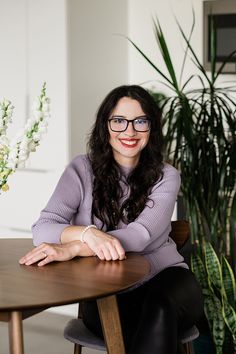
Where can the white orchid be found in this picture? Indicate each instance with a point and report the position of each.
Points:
(14, 152)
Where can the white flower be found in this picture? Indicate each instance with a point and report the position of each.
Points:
(32, 146)
(38, 114)
(6, 110)
(14, 152)
(45, 107)
(30, 122)
(42, 129)
(37, 136)
(21, 164)
(11, 165)
(24, 144)
(4, 140)
(36, 105)
(23, 156)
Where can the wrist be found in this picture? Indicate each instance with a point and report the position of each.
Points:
(75, 248)
(85, 232)
(82, 249)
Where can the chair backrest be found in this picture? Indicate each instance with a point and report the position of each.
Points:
(180, 232)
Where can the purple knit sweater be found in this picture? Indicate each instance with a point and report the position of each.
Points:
(71, 203)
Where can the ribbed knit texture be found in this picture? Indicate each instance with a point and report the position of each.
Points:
(71, 203)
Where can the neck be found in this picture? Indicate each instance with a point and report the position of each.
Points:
(127, 162)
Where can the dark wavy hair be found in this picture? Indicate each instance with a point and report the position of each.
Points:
(106, 184)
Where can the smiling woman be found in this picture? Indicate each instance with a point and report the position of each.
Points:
(120, 198)
(128, 140)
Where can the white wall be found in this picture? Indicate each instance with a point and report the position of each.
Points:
(98, 60)
(141, 32)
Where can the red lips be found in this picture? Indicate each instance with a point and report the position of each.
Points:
(129, 143)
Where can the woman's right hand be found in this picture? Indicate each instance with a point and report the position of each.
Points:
(50, 252)
(105, 246)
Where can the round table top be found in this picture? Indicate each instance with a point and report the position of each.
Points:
(61, 283)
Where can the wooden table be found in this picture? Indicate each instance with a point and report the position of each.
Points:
(27, 290)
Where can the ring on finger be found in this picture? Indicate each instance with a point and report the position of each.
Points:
(44, 254)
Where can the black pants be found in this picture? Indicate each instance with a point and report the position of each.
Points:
(154, 315)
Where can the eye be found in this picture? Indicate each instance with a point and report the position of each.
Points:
(118, 120)
(141, 121)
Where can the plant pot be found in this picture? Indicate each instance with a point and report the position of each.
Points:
(203, 345)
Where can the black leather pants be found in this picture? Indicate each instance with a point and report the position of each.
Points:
(154, 315)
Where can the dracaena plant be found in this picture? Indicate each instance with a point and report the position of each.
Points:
(200, 139)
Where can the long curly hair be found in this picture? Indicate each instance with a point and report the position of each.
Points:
(106, 184)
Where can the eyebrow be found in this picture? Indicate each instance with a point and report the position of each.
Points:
(117, 116)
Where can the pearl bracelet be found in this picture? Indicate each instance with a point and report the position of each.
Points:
(81, 238)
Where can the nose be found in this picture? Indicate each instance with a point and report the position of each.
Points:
(130, 129)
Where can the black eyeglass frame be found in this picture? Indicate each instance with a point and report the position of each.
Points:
(130, 121)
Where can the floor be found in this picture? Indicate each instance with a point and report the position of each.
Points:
(43, 334)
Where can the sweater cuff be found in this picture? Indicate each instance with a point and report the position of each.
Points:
(50, 233)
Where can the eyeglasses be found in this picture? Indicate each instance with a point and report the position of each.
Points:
(120, 124)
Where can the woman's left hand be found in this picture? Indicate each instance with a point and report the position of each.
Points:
(49, 252)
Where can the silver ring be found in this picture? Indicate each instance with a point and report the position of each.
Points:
(45, 254)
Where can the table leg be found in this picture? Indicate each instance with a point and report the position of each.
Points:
(16, 333)
(110, 319)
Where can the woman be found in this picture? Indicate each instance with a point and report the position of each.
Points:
(120, 198)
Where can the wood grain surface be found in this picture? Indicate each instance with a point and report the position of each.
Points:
(59, 283)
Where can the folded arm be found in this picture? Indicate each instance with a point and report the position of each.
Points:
(54, 225)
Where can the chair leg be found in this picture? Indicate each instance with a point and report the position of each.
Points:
(77, 349)
(188, 347)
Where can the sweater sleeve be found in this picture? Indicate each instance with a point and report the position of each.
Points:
(153, 223)
(62, 205)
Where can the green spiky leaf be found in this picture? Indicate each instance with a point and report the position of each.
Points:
(228, 281)
(213, 312)
(213, 266)
(200, 273)
(230, 319)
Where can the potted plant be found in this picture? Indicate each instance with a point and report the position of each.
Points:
(200, 138)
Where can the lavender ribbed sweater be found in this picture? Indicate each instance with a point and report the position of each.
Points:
(71, 203)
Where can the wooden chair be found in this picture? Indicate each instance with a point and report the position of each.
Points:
(77, 332)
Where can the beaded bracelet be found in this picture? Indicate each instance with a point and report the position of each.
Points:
(81, 238)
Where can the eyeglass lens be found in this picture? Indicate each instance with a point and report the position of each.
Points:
(119, 124)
